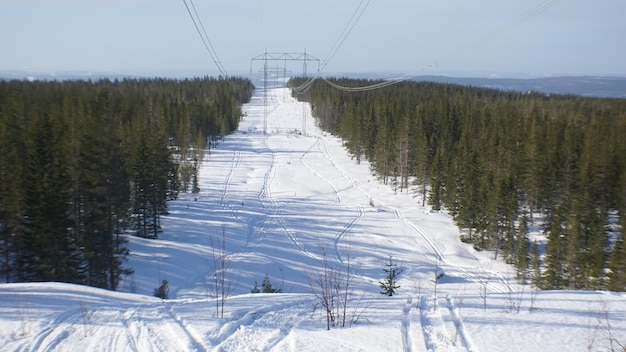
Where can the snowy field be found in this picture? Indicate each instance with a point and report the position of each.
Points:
(281, 199)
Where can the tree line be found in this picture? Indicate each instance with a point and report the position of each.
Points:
(495, 161)
(84, 163)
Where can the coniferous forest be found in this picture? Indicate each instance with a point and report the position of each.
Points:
(499, 162)
(84, 163)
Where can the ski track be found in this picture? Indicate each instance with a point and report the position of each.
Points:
(194, 340)
(501, 285)
(406, 326)
(236, 161)
(131, 338)
(434, 249)
(275, 214)
(302, 157)
(159, 329)
(261, 329)
(346, 230)
(323, 147)
(54, 333)
(257, 225)
(135, 328)
(360, 211)
(144, 337)
(460, 328)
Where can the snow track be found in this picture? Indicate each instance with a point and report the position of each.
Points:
(344, 231)
(236, 161)
(458, 324)
(57, 331)
(261, 329)
(442, 327)
(407, 342)
(317, 174)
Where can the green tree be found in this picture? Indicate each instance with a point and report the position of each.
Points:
(617, 266)
(12, 147)
(51, 253)
(162, 291)
(104, 198)
(522, 259)
(535, 263)
(266, 286)
(556, 250)
(390, 284)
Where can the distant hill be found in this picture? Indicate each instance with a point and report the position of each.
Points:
(588, 86)
(96, 75)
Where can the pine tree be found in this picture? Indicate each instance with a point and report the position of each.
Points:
(535, 261)
(556, 250)
(162, 291)
(522, 260)
(141, 185)
(390, 284)
(256, 288)
(195, 185)
(617, 266)
(51, 253)
(266, 286)
(435, 196)
(11, 195)
(105, 198)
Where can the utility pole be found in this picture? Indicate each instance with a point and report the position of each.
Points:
(265, 57)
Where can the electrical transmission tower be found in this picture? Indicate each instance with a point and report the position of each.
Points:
(283, 57)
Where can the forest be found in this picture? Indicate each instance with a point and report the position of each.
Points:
(85, 163)
(499, 162)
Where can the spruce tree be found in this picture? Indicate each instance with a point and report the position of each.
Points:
(522, 260)
(141, 185)
(535, 262)
(390, 283)
(12, 147)
(195, 185)
(105, 198)
(556, 252)
(617, 267)
(51, 253)
(266, 286)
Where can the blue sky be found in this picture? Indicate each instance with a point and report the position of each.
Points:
(392, 36)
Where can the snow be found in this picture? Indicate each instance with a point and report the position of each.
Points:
(281, 199)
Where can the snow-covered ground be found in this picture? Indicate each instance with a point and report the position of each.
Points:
(280, 200)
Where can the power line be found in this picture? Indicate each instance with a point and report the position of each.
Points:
(453, 55)
(205, 38)
(346, 31)
(284, 57)
(356, 15)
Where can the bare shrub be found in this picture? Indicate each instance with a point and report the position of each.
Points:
(220, 283)
(331, 286)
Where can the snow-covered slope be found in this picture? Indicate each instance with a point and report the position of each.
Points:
(281, 199)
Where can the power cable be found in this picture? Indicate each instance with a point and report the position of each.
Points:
(356, 15)
(454, 55)
(217, 59)
(205, 38)
(346, 31)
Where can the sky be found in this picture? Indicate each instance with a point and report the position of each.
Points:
(457, 37)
